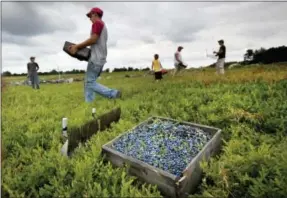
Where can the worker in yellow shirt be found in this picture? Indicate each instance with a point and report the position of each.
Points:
(156, 67)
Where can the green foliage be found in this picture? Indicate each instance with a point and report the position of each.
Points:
(249, 106)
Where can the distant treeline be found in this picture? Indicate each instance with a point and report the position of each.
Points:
(266, 56)
(75, 71)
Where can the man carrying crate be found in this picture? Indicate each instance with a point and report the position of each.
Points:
(178, 63)
(98, 43)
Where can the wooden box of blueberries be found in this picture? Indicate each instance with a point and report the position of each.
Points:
(165, 152)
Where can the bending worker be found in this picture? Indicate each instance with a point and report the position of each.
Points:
(156, 67)
(178, 63)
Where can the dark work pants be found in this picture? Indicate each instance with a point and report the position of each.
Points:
(34, 80)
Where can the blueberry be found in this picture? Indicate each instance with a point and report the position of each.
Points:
(163, 144)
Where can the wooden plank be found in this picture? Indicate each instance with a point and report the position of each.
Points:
(82, 134)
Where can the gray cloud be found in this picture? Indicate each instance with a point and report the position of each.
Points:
(183, 33)
(26, 19)
(112, 43)
(148, 39)
(15, 39)
(259, 30)
(177, 22)
(261, 12)
(137, 30)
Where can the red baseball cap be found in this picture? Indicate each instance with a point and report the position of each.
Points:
(95, 10)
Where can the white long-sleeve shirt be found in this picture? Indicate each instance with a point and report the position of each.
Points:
(179, 57)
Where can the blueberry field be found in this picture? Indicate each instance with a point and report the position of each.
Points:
(248, 104)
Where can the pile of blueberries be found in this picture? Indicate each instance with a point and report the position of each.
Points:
(167, 145)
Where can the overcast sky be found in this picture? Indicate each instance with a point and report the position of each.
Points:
(138, 30)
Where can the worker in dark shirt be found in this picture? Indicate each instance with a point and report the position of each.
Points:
(221, 57)
(33, 68)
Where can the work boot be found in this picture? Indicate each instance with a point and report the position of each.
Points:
(119, 94)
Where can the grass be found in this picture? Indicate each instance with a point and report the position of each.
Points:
(249, 104)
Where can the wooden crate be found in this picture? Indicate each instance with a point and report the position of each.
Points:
(169, 184)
